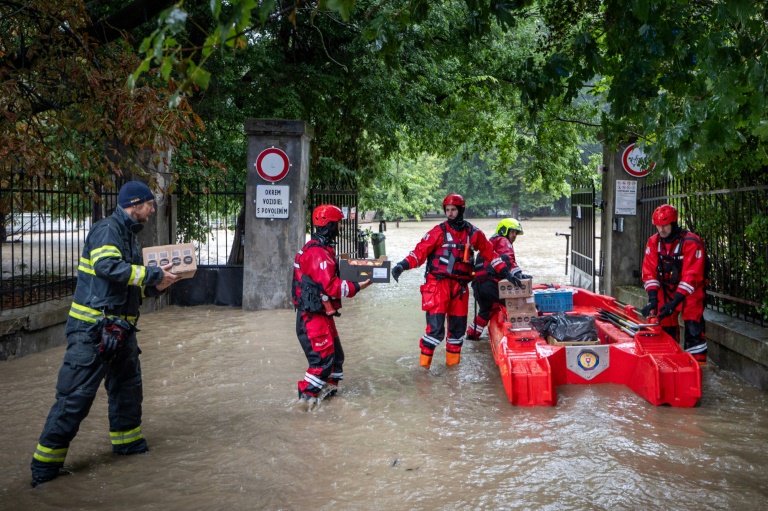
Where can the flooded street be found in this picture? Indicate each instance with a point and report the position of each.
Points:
(224, 432)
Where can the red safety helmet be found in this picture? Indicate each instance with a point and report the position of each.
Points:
(325, 213)
(454, 199)
(664, 215)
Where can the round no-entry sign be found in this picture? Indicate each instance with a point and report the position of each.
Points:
(632, 159)
(272, 164)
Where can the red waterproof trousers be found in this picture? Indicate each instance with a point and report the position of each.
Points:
(441, 299)
(692, 310)
(322, 347)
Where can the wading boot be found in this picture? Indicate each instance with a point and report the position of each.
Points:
(305, 402)
(451, 359)
(425, 360)
(474, 332)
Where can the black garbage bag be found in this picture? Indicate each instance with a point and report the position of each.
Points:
(566, 327)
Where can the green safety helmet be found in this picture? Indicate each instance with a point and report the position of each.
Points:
(508, 224)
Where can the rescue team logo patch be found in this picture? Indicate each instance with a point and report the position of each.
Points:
(588, 360)
(323, 265)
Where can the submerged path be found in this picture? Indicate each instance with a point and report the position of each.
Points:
(224, 433)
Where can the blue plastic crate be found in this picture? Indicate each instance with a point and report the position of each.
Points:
(554, 301)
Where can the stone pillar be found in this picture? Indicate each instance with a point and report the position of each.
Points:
(271, 243)
(620, 233)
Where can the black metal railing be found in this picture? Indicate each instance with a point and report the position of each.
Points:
(344, 195)
(44, 221)
(211, 215)
(733, 223)
(583, 230)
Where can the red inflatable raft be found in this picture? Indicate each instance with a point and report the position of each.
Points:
(649, 362)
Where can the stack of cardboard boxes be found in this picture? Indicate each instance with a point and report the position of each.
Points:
(520, 303)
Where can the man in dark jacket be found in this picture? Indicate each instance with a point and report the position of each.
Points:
(101, 335)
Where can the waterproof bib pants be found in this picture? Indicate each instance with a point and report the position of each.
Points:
(79, 379)
(321, 344)
(692, 311)
(486, 294)
(444, 299)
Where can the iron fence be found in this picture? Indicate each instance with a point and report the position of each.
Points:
(344, 195)
(733, 223)
(583, 230)
(211, 215)
(43, 224)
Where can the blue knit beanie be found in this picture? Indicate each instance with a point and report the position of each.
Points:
(133, 193)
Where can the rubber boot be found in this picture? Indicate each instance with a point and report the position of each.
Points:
(425, 361)
(451, 359)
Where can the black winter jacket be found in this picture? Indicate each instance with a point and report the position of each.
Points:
(111, 277)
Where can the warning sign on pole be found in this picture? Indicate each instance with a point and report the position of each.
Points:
(272, 201)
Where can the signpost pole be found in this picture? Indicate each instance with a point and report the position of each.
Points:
(276, 209)
(621, 239)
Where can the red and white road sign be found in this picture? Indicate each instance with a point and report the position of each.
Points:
(272, 164)
(631, 161)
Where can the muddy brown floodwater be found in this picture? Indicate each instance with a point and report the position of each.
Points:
(224, 433)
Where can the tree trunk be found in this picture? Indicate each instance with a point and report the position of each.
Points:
(237, 255)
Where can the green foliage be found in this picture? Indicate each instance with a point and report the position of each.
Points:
(408, 189)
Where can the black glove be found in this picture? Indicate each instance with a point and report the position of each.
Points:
(512, 279)
(652, 306)
(668, 308)
(114, 332)
(525, 276)
(399, 269)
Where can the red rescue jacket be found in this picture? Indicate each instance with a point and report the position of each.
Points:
(443, 248)
(315, 264)
(502, 246)
(679, 266)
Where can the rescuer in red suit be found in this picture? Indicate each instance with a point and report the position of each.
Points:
(317, 294)
(674, 275)
(486, 282)
(448, 251)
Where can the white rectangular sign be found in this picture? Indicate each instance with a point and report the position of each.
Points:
(272, 201)
(626, 197)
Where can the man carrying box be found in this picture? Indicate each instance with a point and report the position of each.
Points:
(486, 283)
(317, 293)
(101, 335)
(448, 250)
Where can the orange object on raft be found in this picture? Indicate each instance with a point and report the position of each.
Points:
(650, 362)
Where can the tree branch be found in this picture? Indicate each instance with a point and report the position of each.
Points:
(126, 19)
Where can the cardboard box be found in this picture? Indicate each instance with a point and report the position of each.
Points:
(520, 321)
(521, 304)
(507, 290)
(554, 342)
(182, 256)
(359, 270)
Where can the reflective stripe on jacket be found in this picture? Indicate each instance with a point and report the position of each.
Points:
(679, 266)
(111, 277)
